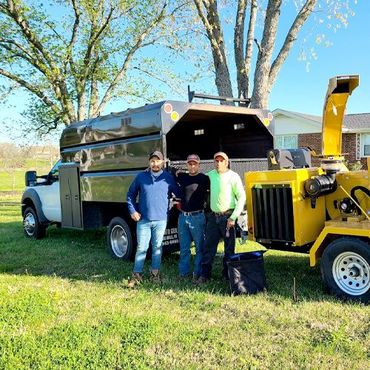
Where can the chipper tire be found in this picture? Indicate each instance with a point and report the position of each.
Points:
(345, 268)
(119, 239)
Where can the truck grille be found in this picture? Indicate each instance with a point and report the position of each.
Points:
(273, 213)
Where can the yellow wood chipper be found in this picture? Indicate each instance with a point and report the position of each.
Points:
(324, 211)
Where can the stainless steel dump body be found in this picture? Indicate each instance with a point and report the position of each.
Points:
(112, 149)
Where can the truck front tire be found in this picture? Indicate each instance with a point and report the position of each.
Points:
(32, 227)
(119, 239)
(345, 268)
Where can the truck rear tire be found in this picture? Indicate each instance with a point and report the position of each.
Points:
(119, 239)
(345, 268)
(32, 227)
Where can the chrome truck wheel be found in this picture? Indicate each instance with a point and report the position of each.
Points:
(345, 268)
(31, 225)
(119, 239)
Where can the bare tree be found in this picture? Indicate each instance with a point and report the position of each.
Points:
(269, 55)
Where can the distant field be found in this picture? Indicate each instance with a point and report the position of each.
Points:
(13, 180)
(33, 164)
(6, 181)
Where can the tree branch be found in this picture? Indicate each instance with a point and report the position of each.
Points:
(32, 88)
(48, 126)
(94, 36)
(22, 23)
(299, 21)
(263, 66)
(23, 54)
(164, 81)
(88, 67)
(128, 59)
(250, 39)
(213, 27)
(54, 76)
(210, 28)
(239, 46)
(69, 56)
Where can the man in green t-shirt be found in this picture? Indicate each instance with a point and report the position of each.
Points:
(227, 202)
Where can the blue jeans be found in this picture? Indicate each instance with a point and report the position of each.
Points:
(216, 229)
(149, 231)
(191, 228)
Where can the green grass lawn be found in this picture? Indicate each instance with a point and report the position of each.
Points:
(64, 305)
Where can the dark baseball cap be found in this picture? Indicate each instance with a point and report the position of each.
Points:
(193, 158)
(157, 154)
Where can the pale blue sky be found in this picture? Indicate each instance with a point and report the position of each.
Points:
(302, 91)
(298, 89)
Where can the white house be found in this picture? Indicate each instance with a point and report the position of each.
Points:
(294, 130)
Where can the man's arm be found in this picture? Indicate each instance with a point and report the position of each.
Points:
(174, 187)
(207, 193)
(132, 194)
(239, 193)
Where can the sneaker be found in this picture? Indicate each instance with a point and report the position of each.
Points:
(201, 280)
(195, 278)
(136, 279)
(155, 276)
(184, 277)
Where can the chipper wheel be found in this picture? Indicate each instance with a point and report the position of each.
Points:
(345, 268)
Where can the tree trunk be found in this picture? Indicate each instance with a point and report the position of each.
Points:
(212, 24)
(222, 79)
(223, 82)
(241, 78)
(263, 65)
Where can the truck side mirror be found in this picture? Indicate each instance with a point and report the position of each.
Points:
(30, 178)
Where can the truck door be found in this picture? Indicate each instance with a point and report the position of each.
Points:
(70, 199)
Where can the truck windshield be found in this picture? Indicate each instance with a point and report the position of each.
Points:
(54, 172)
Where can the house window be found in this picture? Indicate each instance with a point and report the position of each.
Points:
(286, 141)
(199, 132)
(365, 145)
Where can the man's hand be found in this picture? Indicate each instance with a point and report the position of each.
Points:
(230, 223)
(136, 216)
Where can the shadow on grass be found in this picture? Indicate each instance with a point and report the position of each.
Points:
(83, 255)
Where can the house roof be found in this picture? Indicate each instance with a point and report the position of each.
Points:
(353, 123)
(359, 122)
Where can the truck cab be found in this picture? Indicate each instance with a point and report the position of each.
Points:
(41, 202)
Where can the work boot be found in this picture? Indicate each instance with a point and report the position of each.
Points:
(201, 280)
(155, 276)
(195, 278)
(184, 277)
(136, 279)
